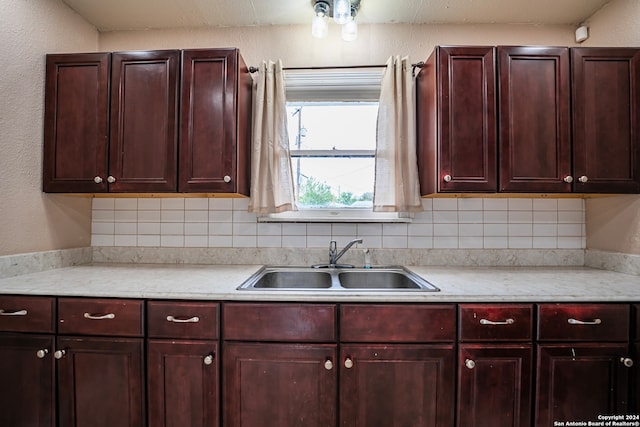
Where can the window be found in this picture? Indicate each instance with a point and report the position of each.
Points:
(332, 118)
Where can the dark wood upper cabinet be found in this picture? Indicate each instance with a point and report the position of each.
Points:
(144, 114)
(215, 122)
(456, 121)
(606, 118)
(76, 122)
(534, 119)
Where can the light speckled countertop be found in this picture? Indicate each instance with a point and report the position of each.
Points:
(219, 282)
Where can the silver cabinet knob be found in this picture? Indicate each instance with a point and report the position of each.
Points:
(583, 179)
(447, 178)
(208, 360)
(470, 364)
(328, 364)
(59, 354)
(40, 354)
(348, 363)
(227, 178)
(97, 180)
(568, 179)
(626, 362)
(111, 179)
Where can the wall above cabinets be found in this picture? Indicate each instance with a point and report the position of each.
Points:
(147, 122)
(529, 120)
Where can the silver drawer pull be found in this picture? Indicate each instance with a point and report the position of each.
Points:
(490, 322)
(13, 313)
(194, 319)
(573, 321)
(99, 316)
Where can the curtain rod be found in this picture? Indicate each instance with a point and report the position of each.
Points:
(337, 67)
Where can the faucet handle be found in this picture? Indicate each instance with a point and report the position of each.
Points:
(333, 246)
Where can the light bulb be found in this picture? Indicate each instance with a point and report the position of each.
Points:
(319, 27)
(341, 11)
(350, 30)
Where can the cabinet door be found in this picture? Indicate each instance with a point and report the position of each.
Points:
(27, 394)
(76, 122)
(100, 382)
(580, 382)
(534, 122)
(144, 115)
(494, 385)
(275, 385)
(606, 117)
(465, 140)
(635, 389)
(396, 385)
(182, 383)
(214, 122)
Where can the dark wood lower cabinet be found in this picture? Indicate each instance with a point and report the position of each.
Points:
(182, 378)
(101, 382)
(278, 385)
(27, 391)
(396, 385)
(494, 385)
(579, 382)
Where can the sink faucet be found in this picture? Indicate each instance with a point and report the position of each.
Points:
(334, 255)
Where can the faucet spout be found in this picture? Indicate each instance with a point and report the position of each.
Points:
(334, 255)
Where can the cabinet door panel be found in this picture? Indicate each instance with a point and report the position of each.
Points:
(182, 386)
(27, 392)
(76, 122)
(494, 385)
(144, 108)
(100, 382)
(275, 385)
(535, 133)
(397, 385)
(580, 382)
(606, 95)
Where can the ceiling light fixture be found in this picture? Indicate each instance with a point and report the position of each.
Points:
(343, 12)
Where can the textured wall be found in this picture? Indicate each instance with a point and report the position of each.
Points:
(613, 224)
(29, 219)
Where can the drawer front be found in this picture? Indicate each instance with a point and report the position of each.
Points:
(279, 322)
(27, 314)
(397, 323)
(189, 320)
(637, 315)
(583, 322)
(86, 316)
(500, 322)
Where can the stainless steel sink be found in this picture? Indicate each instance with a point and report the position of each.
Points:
(337, 279)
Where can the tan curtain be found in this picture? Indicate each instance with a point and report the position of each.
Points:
(272, 188)
(397, 187)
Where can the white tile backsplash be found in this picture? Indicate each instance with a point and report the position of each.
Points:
(447, 223)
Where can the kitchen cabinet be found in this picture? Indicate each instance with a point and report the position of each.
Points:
(76, 122)
(27, 395)
(397, 365)
(215, 122)
(279, 365)
(582, 361)
(534, 119)
(495, 365)
(182, 364)
(606, 120)
(100, 362)
(457, 123)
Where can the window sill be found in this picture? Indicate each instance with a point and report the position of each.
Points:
(336, 215)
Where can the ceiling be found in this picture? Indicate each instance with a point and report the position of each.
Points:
(115, 15)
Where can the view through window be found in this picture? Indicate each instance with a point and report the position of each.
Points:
(332, 147)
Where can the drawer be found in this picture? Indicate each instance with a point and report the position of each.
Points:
(279, 322)
(86, 316)
(27, 314)
(190, 320)
(637, 317)
(397, 323)
(583, 322)
(495, 322)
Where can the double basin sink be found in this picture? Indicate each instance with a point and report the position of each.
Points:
(337, 279)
